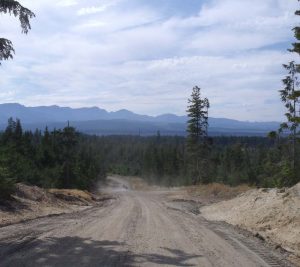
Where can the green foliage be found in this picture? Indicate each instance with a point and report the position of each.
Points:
(61, 158)
(164, 160)
(6, 49)
(7, 187)
(198, 118)
(296, 45)
(290, 96)
(65, 158)
(6, 183)
(14, 8)
(197, 145)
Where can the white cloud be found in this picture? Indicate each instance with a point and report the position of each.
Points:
(93, 9)
(134, 57)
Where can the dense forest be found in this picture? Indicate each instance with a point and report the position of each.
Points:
(61, 158)
(67, 159)
(231, 160)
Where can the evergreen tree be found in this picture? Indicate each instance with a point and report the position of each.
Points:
(198, 116)
(18, 134)
(296, 45)
(14, 8)
(290, 96)
(69, 140)
(197, 146)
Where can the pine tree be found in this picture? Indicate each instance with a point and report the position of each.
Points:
(13, 7)
(296, 45)
(290, 96)
(197, 134)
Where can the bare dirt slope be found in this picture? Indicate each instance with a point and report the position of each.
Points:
(274, 214)
(30, 202)
(138, 228)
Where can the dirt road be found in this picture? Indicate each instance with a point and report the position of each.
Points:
(135, 229)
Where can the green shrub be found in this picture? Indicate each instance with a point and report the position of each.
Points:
(7, 187)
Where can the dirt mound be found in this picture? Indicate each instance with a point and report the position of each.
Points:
(73, 195)
(33, 193)
(29, 202)
(273, 214)
(217, 190)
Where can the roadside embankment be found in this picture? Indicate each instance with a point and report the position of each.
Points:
(272, 214)
(30, 202)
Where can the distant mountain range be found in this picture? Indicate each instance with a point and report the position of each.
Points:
(101, 122)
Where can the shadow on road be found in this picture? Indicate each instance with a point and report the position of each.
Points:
(76, 251)
(177, 258)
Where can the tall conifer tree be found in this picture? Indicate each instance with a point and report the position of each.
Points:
(290, 96)
(197, 134)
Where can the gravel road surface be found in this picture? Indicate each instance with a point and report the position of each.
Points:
(134, 229)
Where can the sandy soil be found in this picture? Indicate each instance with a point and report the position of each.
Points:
(30, 202)
(137, 228)
(272, 214)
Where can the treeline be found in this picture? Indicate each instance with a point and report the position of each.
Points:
(60, 158)
(163, 160)
(66, 159)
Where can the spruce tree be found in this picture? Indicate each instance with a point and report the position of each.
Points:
(197, 135)
(69, 140)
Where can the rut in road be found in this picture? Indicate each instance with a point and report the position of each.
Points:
(135, 229)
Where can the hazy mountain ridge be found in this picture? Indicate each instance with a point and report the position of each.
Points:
(61, 114)
(99, 121)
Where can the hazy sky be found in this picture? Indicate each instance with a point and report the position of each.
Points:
(146, 55)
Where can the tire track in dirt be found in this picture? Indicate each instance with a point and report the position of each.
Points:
(136, 229)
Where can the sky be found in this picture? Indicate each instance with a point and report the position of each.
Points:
(147, 55)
